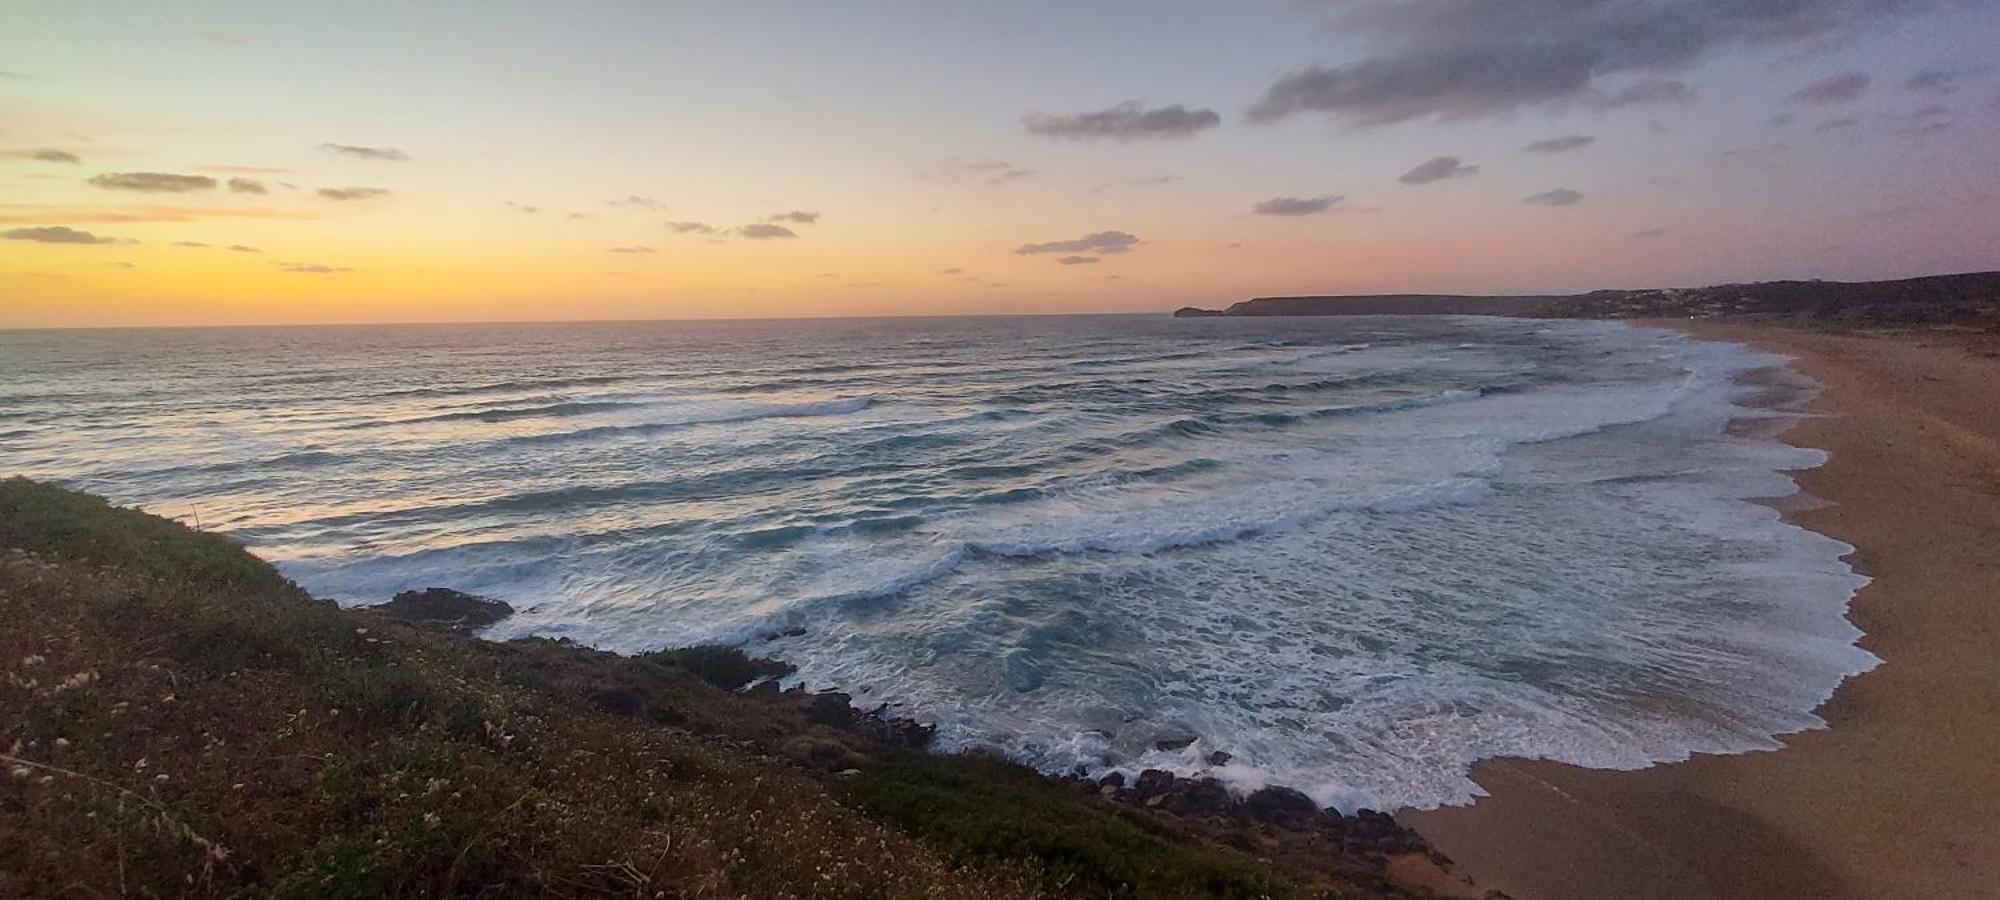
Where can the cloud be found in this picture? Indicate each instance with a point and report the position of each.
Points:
(1560, 144)
(388, 154)
(1642, 93)
(245, 170)
(1077, 260)
(1128, 121)
(1837, 124)
(1449, 59)
(32, 213)
(353, 193)
(1100, 242)
(1780, 120)
(1650, 233)
(762, 231)
(951, 271)
(1937, 81)
(799, 216)
(311, 269)
(189, 244)
(1924, 129)
(56, 234)
(246, 186)
(1557, 197)
(153, 182)
(530, 210)
(242, 248)
(1439, 169)
(691, 227)
(632, 249)
(1142, 181)
(1846, 87)
(635, 201)
(992, 171)
(44, 154)
(1296, 206)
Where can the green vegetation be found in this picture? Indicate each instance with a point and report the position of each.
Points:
(180, 720)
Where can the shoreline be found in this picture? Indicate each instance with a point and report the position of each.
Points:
(1895, 796)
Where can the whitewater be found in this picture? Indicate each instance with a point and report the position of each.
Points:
(1355, 555)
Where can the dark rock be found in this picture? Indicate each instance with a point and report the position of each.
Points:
(1153, 781)
(444, 609)
(1171, 744)
(1115, 779)
(1280, 806)
(1202, 798)
(1219, 758)
(1196, 312)
(831, 708)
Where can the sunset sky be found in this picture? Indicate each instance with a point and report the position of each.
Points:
(210, 163)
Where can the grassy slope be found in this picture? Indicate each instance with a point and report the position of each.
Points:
(180, 719)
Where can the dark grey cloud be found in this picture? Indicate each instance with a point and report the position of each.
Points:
(691, 227)
(1846, 87)
(1458, 58)
(57, 234)
(632, 249)
(353, 193)
(1296, 206)
(1557, 197)
(1128, 121)
(1560, 144)
(244, 248)
(153, 182)
(44, 154)
(1644, 92)
(1077, 260)
(1650, 233)
(311, 269)
(1837, 124)
(1100, 242)
(389, 154)
(1439, 169)
(247, 186)
(1937, 81)
(799, 216)
(764, 231)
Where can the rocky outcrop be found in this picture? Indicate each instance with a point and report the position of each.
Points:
(444, 609)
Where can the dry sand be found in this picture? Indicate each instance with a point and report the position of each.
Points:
(1900, 796)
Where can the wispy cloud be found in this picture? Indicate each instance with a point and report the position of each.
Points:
(243, 248)
(1560, 144)
(1650, 233)
(1838, 124)
(1439, 169)
(985, 171)
(1297, 206)
(1557, 197)
(1100, 242)
(153, 182)
(691, 227)
(632, 249)
(636, 202)
(311, 269)
(764, 231)
(525, 208)
(189, 244)
(386, 154)
(353, 193)
(247, 186)
(1128, 121)
(1846, 87)
(798, 216)
(57, 234)
(33, 213)
(1077, 260)
(1937, 80)
(245, 170)
(1644, 92)
(44, 154)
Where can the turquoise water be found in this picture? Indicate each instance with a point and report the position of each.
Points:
(1356, 554)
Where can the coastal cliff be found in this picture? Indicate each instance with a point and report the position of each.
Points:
(180, 719)
(1966, 299)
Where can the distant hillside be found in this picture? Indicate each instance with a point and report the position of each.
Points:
(1379, 305)
(1970, 299)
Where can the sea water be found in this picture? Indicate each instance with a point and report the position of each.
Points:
(1355, 554)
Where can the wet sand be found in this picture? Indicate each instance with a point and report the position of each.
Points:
(1900, 796)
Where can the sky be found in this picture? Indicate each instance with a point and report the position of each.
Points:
(254, 163)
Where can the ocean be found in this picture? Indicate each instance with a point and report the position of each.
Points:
(1354, 554)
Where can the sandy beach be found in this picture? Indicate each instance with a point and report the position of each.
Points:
(1900, 796)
